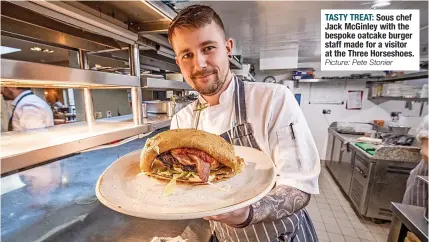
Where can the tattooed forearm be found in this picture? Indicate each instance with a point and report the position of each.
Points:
(281, 202)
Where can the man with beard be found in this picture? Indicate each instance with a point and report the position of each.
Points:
(259, 115)
(29, 111)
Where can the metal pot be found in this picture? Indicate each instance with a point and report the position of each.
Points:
(399, 130)
(156, 106)
(144, 110)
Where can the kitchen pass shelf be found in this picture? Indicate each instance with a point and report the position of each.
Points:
(161, 84)
(23, 149)
(416, 99)
(22, 73)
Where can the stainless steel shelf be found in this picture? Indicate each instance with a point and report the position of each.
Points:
(411, 76)
(22, 73)
(155, 121)
(399, 99)
(153, 83)
(329, 80)
(405, 77)
(23, 149)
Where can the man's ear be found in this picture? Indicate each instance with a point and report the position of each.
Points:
(229, 44)
(177, 61)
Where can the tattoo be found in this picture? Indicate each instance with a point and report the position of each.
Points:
(282, 201)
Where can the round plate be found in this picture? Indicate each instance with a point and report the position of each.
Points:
(124, 189)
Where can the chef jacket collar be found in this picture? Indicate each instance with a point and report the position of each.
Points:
(226, 96)
(19, 97)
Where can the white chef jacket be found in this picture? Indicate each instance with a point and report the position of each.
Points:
(270, 109)
(32, 112)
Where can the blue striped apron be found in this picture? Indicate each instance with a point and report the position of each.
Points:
(296, 228)
(416, 192)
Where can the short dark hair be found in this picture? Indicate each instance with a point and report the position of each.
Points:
(194, 17)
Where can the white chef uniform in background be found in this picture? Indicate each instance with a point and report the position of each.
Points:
(271, 108)
(31, 112)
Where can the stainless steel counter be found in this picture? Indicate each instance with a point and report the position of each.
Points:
(409, 218)
(371, 182)
(57, 202)
(343, 137)
(383, 152)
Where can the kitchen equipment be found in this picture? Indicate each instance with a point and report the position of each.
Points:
(174, 77)
(354, 76)
(371, 134)
(365, 75)
(353, 127)
(123, 188)
(144, 110)
(182, 101)
(370, 140)
(399, 130)
(171, 109)
(160, 107)
(368, 148)
(181, 105)
(299, 75)
(147, 75)
(392, 139)
(424, 92)
(395, 116)
(157, 106)
(269, 79)
(376, 184)
(370, 183)
(378, 122)
(392, 89)
(345, 166)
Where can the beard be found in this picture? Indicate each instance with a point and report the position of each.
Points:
(213, 85)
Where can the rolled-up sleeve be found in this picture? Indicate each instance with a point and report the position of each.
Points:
(292, 146)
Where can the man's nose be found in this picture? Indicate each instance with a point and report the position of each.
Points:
(200, 61)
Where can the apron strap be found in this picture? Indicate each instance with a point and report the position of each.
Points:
(240, 101)
(10, 126)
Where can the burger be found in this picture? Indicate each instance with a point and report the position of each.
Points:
(189, 156)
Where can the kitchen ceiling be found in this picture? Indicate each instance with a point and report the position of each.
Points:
(260, 28)
(270, 28)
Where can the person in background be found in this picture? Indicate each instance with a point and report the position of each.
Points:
(58, 104)
(416, 193)
(29, 111)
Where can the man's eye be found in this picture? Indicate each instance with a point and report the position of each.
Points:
(186, 56)
(208, 48)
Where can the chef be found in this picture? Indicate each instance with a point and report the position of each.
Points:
(29, 111)
(416, 193)
(259, 115)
